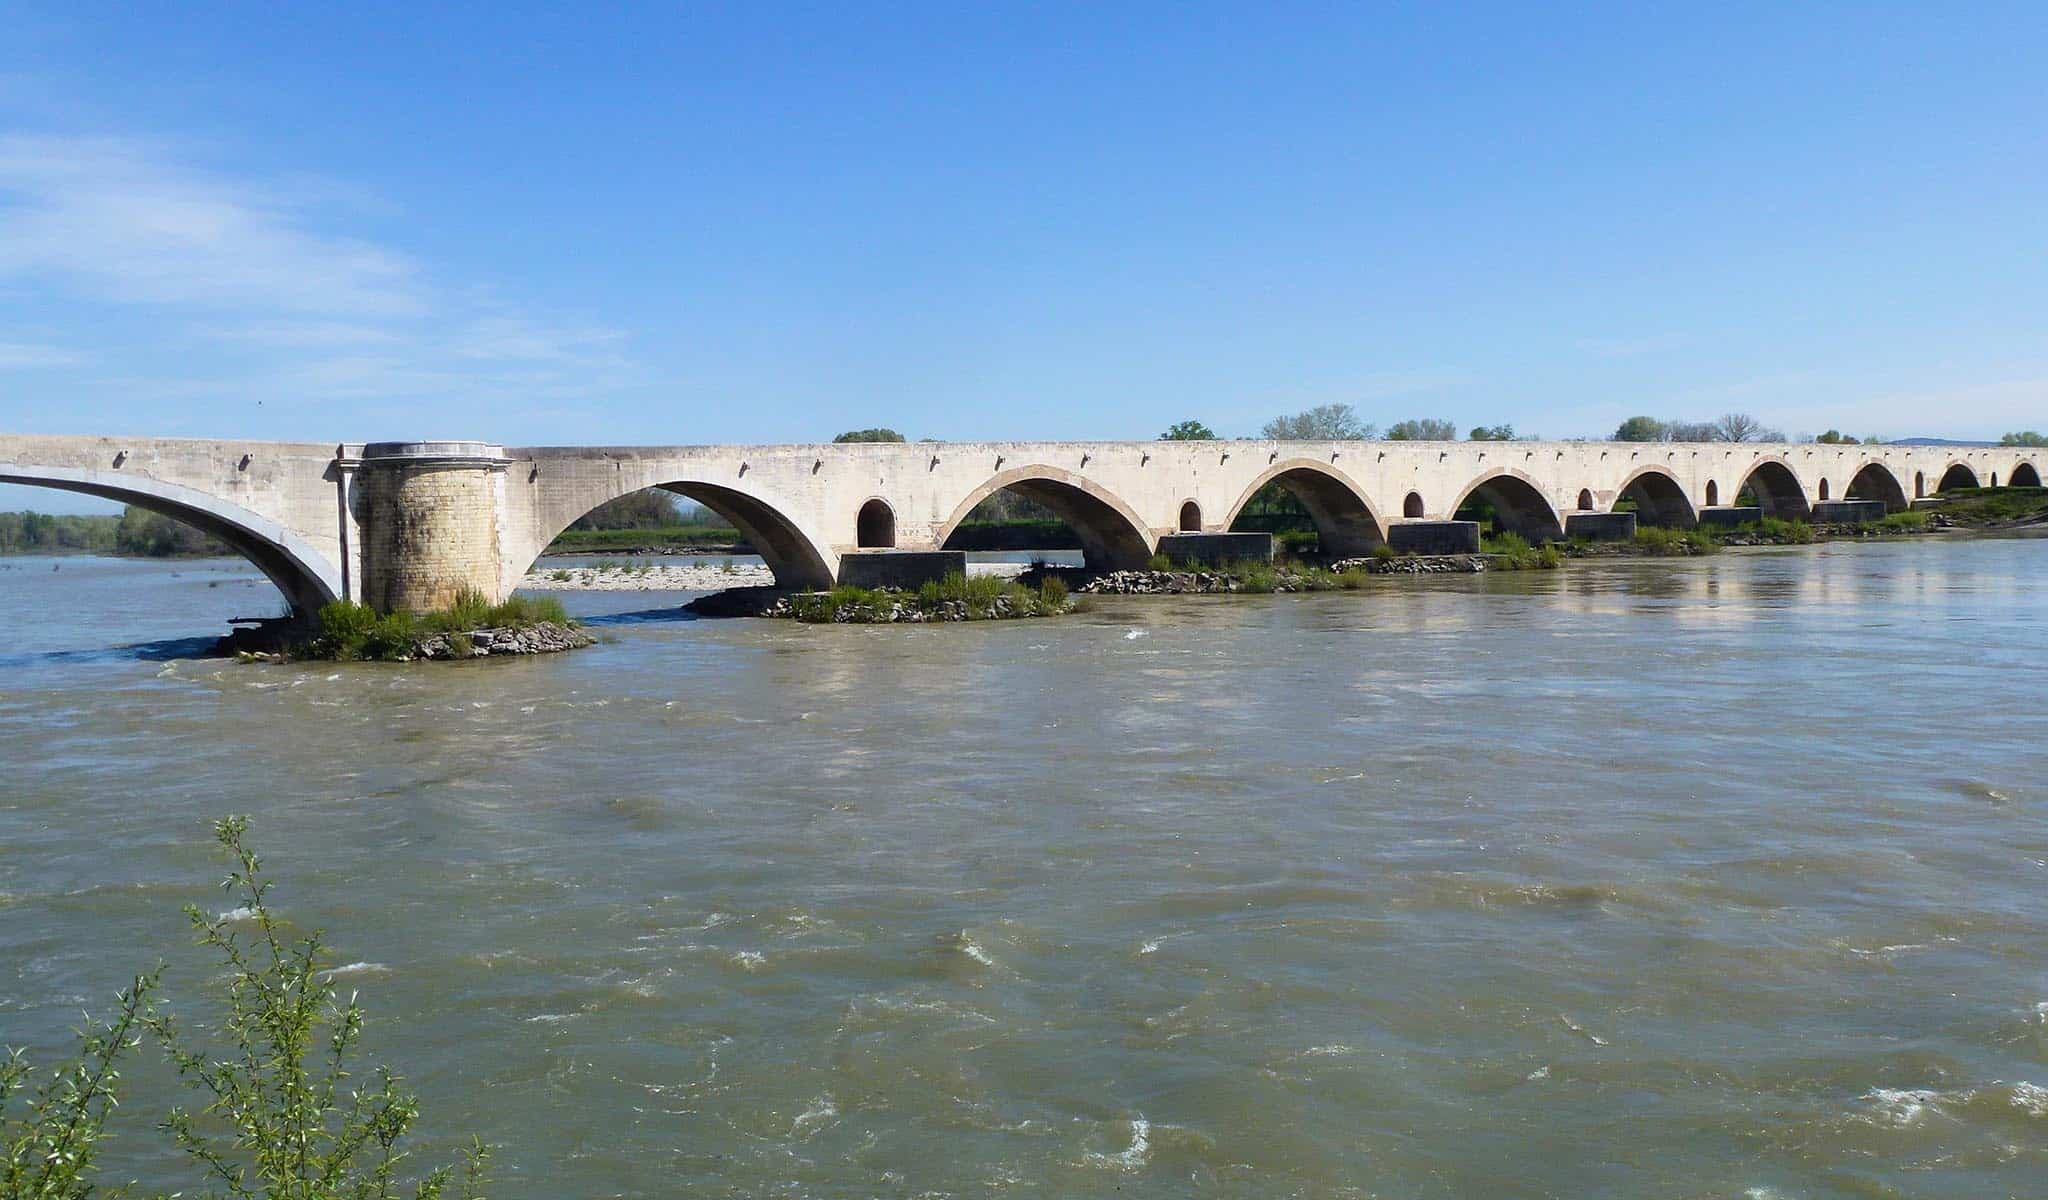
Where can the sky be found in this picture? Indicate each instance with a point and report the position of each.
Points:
(771, 222)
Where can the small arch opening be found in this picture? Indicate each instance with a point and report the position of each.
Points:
(1957, 476)
(1713, 493)
(1823, 489)
(1919, 485)
(1190, 517)
(1994, 479)
(1585, 500)
(2023, 475)
(1411, 508)
(875, 527)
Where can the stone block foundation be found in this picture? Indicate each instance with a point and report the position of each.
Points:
(1434, 537)
(906, 569)
(1217, 547)
(1601, 527)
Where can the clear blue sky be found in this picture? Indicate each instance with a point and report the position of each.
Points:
(772, 222)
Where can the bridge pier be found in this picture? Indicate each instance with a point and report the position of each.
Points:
(429, 518)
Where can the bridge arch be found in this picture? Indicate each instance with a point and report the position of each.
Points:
(1190, 517)
(1875, 481)
(1777, 489)
(791, 552)
(2024, 475)
(1958, 475)
(874, 527)
(1346, 525)
(307, 577)
(1113, 538)
(1659, 498)
(1519, 504)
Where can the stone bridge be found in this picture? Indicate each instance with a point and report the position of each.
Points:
(406, 524)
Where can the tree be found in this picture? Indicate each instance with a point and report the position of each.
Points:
(869, 435)
(1691, 431)
(649, 509)
(1642, 429)
(1491, 433)
(1188, 431)
(1738, 427)
(2025, 437)
(1835, 437)
(1323, 423)
(1424, 429)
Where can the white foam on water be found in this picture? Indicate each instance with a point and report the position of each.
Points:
(359, 968)
(552, 1018)
(1149, 948)
(1581, 1030)
(1133, 1156)
(1333, 1050)
(2032, 1097)
(973, 950)
(752, 960)
(1132, 635)
(1901, 1106)
(1542, 1072)
(238, 914)
(821, 1110)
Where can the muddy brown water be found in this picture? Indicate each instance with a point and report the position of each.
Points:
(1715, 877)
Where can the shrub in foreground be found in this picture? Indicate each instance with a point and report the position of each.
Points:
(284, 1114)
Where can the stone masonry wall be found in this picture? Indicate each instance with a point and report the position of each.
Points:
(428, 533)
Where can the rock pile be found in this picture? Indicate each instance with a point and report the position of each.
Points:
(1415, 564)
(1161, 583)
(545, 637)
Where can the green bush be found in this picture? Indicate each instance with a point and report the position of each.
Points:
(978, 593)
(286, 1113)
(52, 1146)
(1910, 521)
(1783, 532)
(1385, 553)
(1662, 539)
(352, 632)
(1160, 562)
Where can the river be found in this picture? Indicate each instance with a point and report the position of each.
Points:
(1709, 877)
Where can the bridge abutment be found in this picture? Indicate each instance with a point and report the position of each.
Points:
(429, 517)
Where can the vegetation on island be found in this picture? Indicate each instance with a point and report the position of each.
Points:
(955, 598)
(284, 1110)
(352, 632)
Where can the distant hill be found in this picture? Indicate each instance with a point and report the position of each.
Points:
(1933, 442)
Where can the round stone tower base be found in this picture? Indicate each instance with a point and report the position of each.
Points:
(429, 514)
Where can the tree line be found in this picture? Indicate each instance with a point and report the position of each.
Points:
(136, 532)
